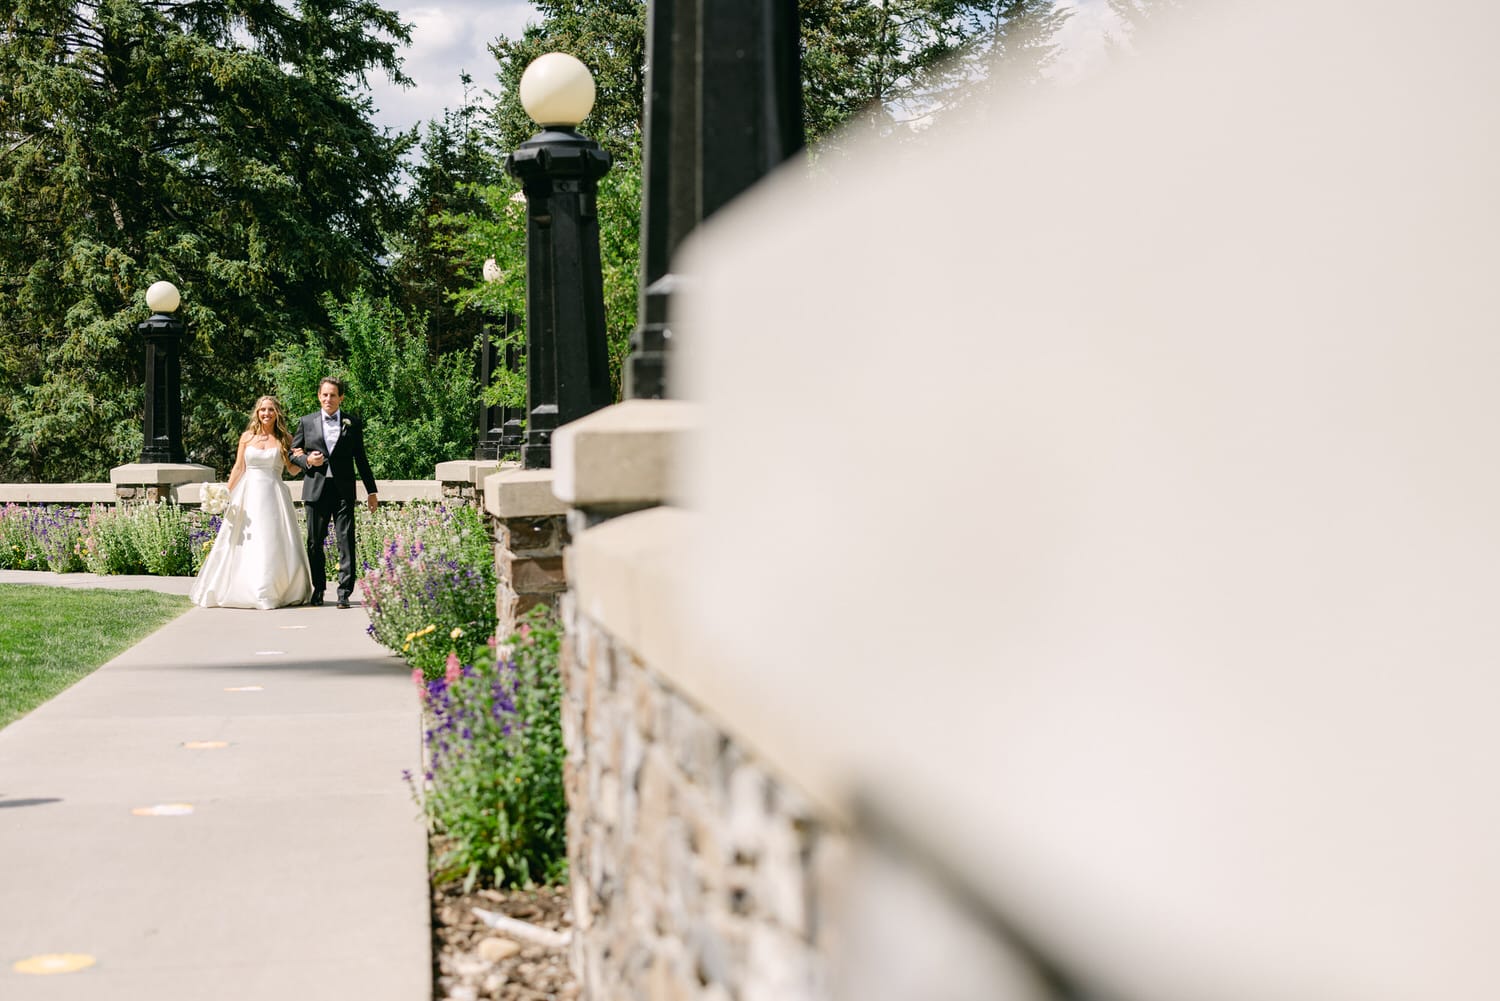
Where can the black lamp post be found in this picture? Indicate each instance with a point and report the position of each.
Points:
(512, 417)
(723, 108)
(501, 427)
(163, 335)
(567, 373)
(491, 419)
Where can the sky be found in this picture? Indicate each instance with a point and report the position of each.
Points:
(447, 36)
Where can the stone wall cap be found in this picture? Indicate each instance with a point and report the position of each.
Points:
(632, 576)
(640, 415)
(465, 470)
(624, 454)
(521, 493)
(155, 473)
(57, 493)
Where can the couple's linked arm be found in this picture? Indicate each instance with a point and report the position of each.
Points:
(299, 456)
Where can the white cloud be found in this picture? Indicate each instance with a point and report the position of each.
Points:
(447, 38)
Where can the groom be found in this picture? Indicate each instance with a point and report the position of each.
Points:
(329, 445)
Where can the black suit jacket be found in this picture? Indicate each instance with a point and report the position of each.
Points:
(348, 455)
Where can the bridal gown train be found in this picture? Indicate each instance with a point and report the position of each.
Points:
(259, 559)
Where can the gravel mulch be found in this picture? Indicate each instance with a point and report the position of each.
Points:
(473, 961)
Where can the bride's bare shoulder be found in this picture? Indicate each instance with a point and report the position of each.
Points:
(246, 437)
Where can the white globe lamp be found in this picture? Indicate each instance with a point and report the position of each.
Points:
(492, 272)
(163, 297)
(557, 90)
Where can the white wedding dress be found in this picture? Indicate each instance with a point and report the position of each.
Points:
(259, 559)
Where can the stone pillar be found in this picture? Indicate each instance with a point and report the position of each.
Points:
(156, 481)
(530, 529)
(463, 480)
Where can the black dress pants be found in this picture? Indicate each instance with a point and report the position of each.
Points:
(340, 510)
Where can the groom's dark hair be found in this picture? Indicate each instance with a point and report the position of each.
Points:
(336, 383)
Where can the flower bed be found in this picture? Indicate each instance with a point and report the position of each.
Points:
(493, 786)
(163, 539)
(427, 572)
(159, 539)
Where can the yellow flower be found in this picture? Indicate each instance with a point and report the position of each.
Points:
(457, 632)
(406, 646)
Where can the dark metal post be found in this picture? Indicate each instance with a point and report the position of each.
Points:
(723, 108)
(750, 95)
(512, 417)
(491, 419)
(163, 423)
(567, 373)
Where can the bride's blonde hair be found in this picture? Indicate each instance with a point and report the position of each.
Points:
(279, 431)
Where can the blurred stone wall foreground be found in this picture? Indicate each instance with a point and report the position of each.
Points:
(1092, 524)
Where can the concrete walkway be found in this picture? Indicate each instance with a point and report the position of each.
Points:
(280, 854)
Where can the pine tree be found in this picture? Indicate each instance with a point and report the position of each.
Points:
(224, 145)
(430, 258)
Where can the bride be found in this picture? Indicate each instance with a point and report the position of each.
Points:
(259, 559)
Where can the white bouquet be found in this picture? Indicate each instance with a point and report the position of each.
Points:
(215, 498)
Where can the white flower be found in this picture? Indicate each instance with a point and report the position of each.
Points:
(215, 498)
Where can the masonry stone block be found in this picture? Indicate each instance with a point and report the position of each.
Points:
(539, 575)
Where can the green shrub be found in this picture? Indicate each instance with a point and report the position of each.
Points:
(203, 530)
(58, 532)
(431, 572)
(493, 785)
(418, 410)
(162, 537)
(18, 547)
(109, 546)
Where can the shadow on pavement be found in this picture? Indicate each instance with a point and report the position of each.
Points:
(42, 801)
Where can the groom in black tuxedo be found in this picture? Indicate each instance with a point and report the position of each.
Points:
(329, 445)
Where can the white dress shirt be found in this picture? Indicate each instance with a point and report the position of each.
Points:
(331, 429)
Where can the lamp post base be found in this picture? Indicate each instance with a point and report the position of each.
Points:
(156, 481)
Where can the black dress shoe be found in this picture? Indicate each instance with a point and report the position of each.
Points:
(316, 599)
(343, 601)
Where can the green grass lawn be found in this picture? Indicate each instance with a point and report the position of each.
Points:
(52, 636)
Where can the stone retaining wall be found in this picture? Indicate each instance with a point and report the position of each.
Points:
(189, 494)
(697, 875)
(528, 565)
(530, 531)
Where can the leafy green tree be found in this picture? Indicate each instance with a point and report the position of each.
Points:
(225, 145)
(430, 259)
(610, 37)
(417, 410)
(897, 63)
(1138, 22)
(1133, 15)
